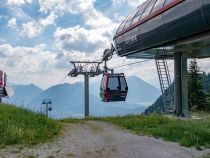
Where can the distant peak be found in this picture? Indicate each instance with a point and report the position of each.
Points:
(32, 85)
(134, 77)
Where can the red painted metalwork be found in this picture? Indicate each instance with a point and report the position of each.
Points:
(107, 82)
(1, 78)
(5, 79)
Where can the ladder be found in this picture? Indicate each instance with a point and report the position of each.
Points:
(165, 84)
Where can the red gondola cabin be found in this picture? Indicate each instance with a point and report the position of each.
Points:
(113, 87)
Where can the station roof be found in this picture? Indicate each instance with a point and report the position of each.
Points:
(144, 12)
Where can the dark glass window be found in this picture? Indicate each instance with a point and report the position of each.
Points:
(158, 5)
(113, 83)
(127, 24)
(140, 11)
(133, 14)
(169, 1)
(123, 84)
(129, 20)
(148, 9)
(121, 27)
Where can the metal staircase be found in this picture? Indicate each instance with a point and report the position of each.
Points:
(165, 84)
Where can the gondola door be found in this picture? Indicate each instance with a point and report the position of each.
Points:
(103, 90)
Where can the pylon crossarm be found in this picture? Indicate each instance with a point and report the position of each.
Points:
(85, 67)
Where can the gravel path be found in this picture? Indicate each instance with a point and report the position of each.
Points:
(95, 139)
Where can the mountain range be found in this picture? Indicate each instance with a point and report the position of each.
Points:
(23, 94)
(67, 99)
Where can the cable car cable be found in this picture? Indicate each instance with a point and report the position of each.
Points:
(65, 94)
(114, 86)
(56, 87)
(69, 91)
(130, 64)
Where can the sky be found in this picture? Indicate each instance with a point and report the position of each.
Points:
(38, 38)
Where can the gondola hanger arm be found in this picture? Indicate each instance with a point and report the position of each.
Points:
(107, 55)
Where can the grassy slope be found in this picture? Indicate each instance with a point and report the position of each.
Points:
(23, 127)
(186, 132)
(19, 126)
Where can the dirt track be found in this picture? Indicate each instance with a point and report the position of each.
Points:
(95, 139)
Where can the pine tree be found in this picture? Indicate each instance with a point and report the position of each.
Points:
(197, 98)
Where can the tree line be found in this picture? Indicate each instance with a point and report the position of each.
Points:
(198, 91)
(198, 88)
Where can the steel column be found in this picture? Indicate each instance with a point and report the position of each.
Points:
(178, 83)
(46, 109)
(181, 85)
(82, 68)
(86, 95)
(47, 102)
(184, 81)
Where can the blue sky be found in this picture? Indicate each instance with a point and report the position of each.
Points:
(38, 38)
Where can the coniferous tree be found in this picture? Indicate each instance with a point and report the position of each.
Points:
(198, 91)
(197, 98)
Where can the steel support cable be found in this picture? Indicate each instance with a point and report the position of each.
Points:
(100, 59)
(112, 68)
(70, 90)
(56, 87)
(130, 64)
(67, 76)
(83, 83)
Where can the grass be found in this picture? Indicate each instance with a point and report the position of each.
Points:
(22, 127)
(189, 133)
(207, 156)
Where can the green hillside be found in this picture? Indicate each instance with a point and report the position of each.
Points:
(198, 95)
(22, 127)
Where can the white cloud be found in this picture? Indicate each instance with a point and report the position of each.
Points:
(18, 2)
(48, 20)
(62, 6)
(133, 3)
(35, 28)
(18, 13)
(26, 59)
(15, 2)
(12, 22)
(96, 19)
(84, 40)
(92, 17)
(29, 65)
(31, 29)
